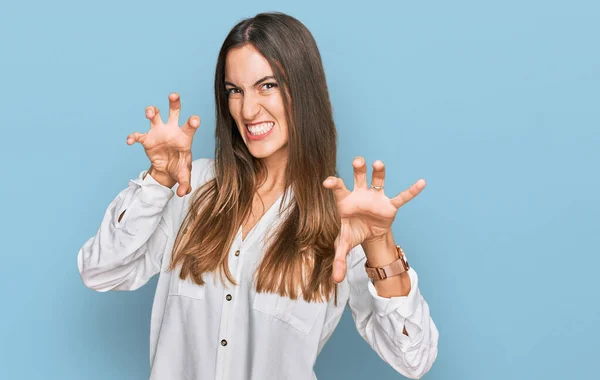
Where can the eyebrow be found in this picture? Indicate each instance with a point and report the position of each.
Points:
(255, 84)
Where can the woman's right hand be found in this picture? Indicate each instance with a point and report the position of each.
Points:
(168, 146)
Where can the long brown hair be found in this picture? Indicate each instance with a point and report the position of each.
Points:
(299, 257)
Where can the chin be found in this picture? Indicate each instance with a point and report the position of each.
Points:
(261, 153)
(267, 151)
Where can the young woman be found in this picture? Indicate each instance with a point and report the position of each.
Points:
(258, 262)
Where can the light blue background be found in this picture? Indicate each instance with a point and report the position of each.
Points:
(496, 104)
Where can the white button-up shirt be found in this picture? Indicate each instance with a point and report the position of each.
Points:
(231, 332)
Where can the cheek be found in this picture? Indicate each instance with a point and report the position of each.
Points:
(281, 115)
(235, 110)
(277, 109)
(233, 107)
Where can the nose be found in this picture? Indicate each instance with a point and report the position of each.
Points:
(250, 107)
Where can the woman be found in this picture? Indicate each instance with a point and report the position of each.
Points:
(258, 262)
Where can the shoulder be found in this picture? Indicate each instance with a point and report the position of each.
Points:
(202, 171)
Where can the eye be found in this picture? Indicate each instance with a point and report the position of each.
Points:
(268, 86)
(232, 91)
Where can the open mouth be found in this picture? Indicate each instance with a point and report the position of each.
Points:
(260, 129)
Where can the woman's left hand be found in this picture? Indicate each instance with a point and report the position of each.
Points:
(366, 213)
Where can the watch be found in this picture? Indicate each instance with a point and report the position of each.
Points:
(393, 269)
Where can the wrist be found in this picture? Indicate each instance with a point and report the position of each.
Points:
(162, 178)
(381, 250)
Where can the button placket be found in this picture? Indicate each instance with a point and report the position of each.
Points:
(227, 309)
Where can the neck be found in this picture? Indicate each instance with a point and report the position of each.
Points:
(275, 165)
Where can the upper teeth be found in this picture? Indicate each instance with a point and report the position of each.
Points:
(261, 128)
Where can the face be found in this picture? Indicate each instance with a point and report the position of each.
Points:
(256, 103)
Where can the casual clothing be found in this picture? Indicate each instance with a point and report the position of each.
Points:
(216, 332)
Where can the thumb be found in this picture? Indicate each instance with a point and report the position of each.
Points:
(339, 262)
(184, 182)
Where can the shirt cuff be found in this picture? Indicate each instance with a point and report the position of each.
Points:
(152, 192)
(403, 305)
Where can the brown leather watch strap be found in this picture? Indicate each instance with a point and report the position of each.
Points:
(393, 269)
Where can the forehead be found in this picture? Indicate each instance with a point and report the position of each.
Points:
(246, 65)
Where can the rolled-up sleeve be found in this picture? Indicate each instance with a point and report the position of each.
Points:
(128, 247)
(380, 321)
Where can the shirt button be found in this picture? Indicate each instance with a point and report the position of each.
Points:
(228, 297)
(237, 253)
(223, 343)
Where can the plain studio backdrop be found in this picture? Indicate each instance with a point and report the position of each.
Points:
(496, 105)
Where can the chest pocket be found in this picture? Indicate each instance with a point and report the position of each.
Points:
(298, 313)
(185, 288)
